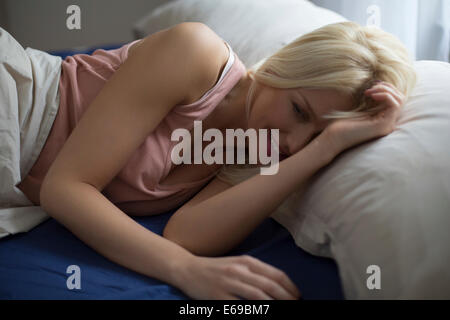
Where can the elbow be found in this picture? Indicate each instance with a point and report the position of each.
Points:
(51, 194)
(45, 194)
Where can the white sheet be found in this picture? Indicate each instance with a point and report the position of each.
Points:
(29, 101)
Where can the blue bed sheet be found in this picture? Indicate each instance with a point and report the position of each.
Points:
(33, 265)
(83, 50)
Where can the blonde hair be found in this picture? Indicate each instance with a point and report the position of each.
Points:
(345, 57)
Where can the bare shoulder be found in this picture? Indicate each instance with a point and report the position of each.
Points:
(209, 53)
(205, 54)
(168, 68)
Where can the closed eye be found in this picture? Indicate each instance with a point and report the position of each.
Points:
(299, 111)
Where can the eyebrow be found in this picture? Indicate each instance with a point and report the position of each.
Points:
(308, 106)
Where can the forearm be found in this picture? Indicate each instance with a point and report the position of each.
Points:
(216, 225)
(91, 217)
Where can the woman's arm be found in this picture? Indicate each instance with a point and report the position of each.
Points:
(219, 217)
(168, 68)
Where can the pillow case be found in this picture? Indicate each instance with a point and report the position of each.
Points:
(383, 203)
(255, 29)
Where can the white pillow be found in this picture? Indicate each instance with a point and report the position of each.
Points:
(387, 202)
(384, 202)
(254, 29)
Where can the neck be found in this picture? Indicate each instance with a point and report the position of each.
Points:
(231, 111)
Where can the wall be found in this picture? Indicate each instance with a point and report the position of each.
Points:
(422, 25)
(42, 24)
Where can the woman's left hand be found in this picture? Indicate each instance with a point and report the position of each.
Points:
(346, 133)
(388, 95)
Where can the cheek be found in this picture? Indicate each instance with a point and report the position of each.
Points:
(269, 110)
(281, 117)
(270, 117)
(259, 109)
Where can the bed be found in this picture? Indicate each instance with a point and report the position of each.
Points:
(383, 204)
(33, 265)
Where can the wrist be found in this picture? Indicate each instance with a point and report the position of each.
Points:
(179, 269)
(327, 148)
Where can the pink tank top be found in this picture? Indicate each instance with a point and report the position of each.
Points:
(135, 189)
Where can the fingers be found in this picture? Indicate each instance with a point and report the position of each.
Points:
(389, 95)
(277, 276)
(262, 287)
(249, 292)
(384, 96)
(386, 87)
(390, 85)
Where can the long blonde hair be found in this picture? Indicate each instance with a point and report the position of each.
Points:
(345, 57)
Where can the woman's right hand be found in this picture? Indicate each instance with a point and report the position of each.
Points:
(232, 278)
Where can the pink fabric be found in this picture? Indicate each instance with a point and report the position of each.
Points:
(136, 188)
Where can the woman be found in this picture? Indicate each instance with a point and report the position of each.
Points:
(108, 150)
